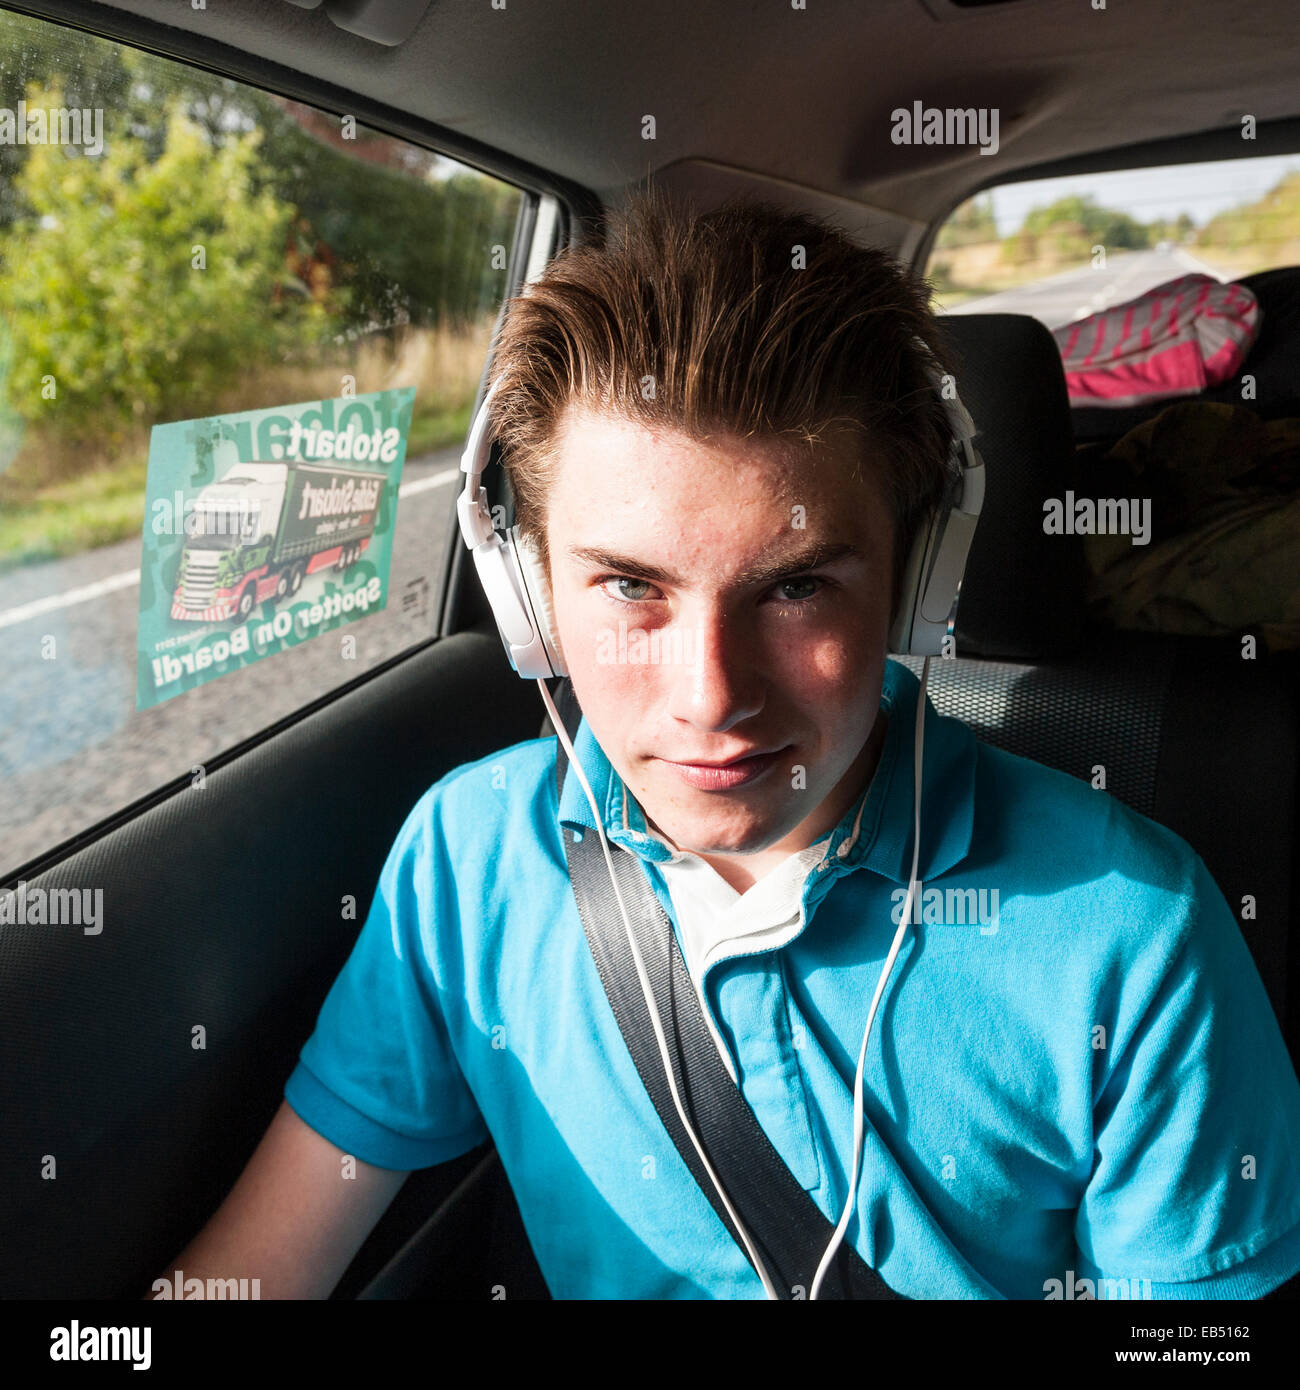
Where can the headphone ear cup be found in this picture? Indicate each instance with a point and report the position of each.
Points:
(938, 553)
(539, 596)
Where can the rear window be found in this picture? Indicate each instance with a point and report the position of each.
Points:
(190, 268)
(1061, 249)
(1173, 297)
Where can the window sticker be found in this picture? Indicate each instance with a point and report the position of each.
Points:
(263, 530)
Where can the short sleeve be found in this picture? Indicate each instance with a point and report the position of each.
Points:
(378, 1077)
(1196, 1129)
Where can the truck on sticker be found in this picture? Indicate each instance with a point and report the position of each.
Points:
(262, 528)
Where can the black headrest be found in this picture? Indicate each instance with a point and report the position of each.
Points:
(1022, 595)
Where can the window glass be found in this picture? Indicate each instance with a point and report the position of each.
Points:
(1061, 249)
(176, 246)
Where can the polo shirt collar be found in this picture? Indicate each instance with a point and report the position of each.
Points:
(876, 831)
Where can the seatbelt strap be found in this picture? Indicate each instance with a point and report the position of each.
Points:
(782, 1219)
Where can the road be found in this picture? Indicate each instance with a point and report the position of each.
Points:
(1074, 294)
(74, 749)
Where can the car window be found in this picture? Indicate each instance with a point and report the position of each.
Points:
(190, 270)
(1062, 249)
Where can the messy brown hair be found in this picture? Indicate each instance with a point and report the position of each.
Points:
(751, 321)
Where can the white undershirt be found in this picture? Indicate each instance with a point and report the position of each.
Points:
(716, 922)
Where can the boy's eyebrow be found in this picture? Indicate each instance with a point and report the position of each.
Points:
(808, 557)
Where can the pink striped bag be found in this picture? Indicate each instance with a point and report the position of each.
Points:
(1175, 340)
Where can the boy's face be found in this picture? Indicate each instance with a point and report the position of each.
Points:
(732, 637)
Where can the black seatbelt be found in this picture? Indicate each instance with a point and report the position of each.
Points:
(782, 1219)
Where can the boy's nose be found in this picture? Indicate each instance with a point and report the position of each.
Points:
(715, 685)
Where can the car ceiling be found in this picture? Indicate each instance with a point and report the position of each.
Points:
(801, 95)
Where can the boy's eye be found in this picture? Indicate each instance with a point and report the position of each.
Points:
(798, 584)
(631, 595)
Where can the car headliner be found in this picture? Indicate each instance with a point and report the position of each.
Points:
(798, 95)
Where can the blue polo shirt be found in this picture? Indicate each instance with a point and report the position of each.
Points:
(1085, 1087)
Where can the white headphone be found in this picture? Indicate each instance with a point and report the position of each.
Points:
(517, 591)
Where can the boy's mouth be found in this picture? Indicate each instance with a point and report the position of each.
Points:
(734, 772)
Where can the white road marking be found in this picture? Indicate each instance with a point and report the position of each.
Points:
(1191, 263)
(126, 578)
(69, 596)
(433, 480)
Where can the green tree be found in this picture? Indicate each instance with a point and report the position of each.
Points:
(90, 72)
(1020, 248)
(402, 247)
(971, 223)
(1074, 224)
(1273, 218)
(102, 279)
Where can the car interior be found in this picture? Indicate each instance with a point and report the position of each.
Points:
(231, 897)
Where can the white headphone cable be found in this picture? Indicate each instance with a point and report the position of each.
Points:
(913, 885)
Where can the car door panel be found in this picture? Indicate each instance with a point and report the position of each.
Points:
(221, 913)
